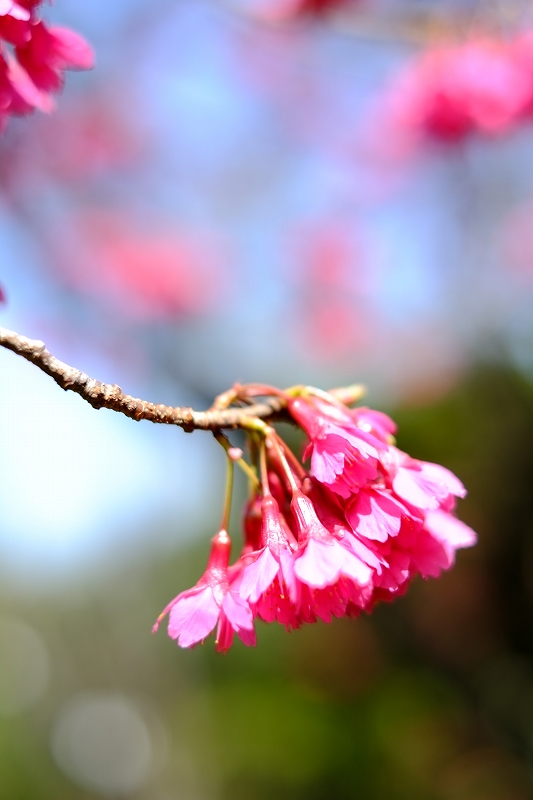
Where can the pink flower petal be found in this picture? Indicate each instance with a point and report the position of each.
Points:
(407, 485)
(237, 611)
(354, 568)
(239, 620)
(397, 572)
(307, 451)
(430, 556)
(9, 8)
(258, 576)
(225, 634)
(364, 442)
(374, 515)
(320, 564)
(193, 617)
(363, 552)
(287, 562)
(25, 87)
(72, 48)
(443, 478)
(247, 637)
(325, 464)
(375, 422)
(447, 528)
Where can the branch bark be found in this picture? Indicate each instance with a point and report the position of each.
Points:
(105, 395)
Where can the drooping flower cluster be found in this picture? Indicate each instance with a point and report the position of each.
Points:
(482, 86)
(332, 541)
(33, 58)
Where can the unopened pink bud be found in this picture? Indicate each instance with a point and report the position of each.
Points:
(235, 453)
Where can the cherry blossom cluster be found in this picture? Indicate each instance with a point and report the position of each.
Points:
(330, 541)
(33, 58)
(482, 86)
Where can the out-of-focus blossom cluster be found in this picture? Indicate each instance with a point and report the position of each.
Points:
(331, 319)
(33, 58)
(143, 271)
(483, 86)
(332, 541)
(283, 10)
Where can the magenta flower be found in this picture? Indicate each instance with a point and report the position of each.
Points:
(397, 572)
(482, 86)
(343, 456)
(321, 559)
(332, 601)
(276, 604)
(375, 422)
(315, 582)
(271, 561)
(12, 10)
(193, 614)
(267, 582)
(375, 514)
(49, 52)
(441, 536)
(353, 532)
(32, 67)
(420, 483)
(331, 513)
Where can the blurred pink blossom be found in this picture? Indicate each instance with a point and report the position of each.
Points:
(33, 58)
(145, 272)
(483, 86)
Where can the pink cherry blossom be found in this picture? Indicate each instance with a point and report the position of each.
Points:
(270, 561)
(482, 86)
(268, 582)
(315, 582)
(331, 512)
(51, 51)
(375, 422)
(332, 601)
(354, 532)
(321, 559)
(420, 483)
(8, 8)
(449, 531)
(375, 514)
(193, 614)
(277, 605)
(343, 456)
(33, 65)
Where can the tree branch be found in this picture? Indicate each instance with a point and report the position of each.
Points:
(105, 395)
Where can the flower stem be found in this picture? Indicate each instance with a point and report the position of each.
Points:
(288, 471)
(264, 470)
(246, 468)
(229, 491)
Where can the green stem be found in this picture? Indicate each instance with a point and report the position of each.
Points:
(229, 491)
(283, 459)
(264, 470)
(246, 468)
